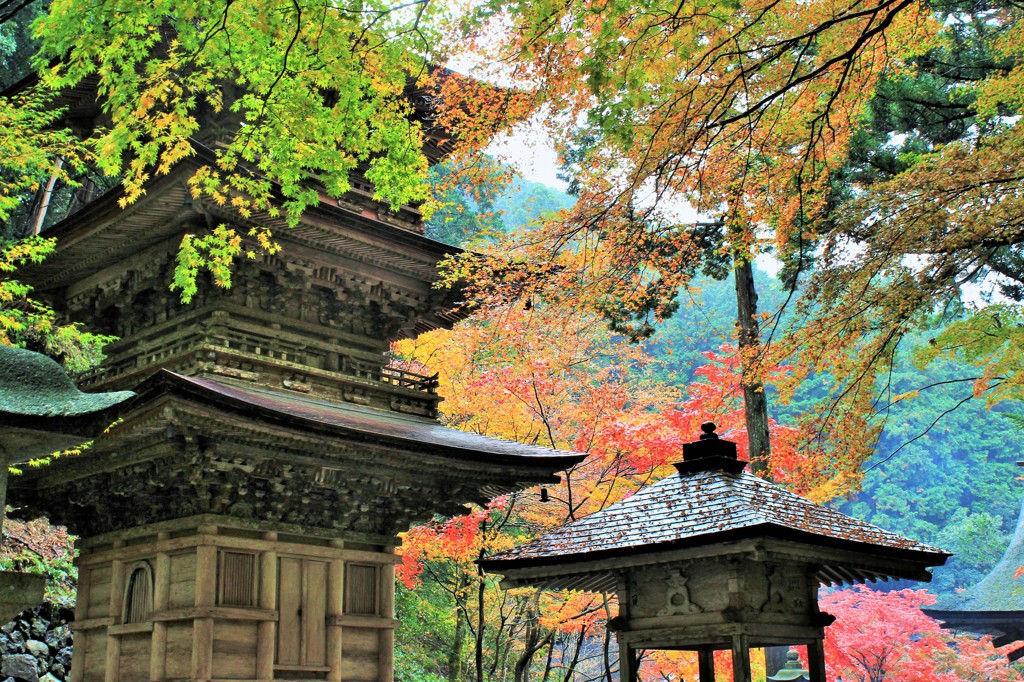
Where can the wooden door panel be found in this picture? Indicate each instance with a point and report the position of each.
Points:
(314, 613)
(289, 591)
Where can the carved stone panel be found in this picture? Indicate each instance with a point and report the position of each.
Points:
(724, 589)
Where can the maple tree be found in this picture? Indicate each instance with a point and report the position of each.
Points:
(27, 322)
(884, 636)
(755, 113)
(557, 377)
(288, 98)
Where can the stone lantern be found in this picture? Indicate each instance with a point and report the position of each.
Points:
(714, 558)
(793, 670)
(41, 412)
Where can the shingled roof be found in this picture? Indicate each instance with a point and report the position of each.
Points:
(710, 501)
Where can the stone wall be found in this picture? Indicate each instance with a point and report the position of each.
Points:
(36, 646)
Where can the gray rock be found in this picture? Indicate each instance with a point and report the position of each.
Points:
(49, 678)
(39, 627)
(37, 648)
(63, 657)
(21, 666)
(55, 638)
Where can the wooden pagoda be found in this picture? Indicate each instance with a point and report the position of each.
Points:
(715, 558)
(239, 522)
(995, 606)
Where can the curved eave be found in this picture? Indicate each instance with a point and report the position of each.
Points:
(359, 424)
(966, 620)
(79, 234)
(872, 563)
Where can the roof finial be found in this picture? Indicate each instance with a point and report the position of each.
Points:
(710, 453)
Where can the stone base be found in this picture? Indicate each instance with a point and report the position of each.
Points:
(19, 591)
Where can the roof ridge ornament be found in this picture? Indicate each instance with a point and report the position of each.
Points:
(709, 453)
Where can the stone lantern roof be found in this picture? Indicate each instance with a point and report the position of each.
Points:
(41, 410)
(793, 670)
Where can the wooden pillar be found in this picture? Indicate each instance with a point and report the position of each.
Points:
(816, 660)
(740, 658)
(706, 664)
(335, 607)
(627, 661)
(81, 613)
(161, 599)
(627, 656)
(386, 672)
(266, 634)
(206, 596)
(111, 670)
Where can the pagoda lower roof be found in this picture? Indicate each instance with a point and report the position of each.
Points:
(355, 423)
(712, 507)
(188, 446)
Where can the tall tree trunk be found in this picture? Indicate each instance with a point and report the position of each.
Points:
(774, 659)
(755, 401)
(456, 656)
(480, 620)
(39, 217)
(533, 640)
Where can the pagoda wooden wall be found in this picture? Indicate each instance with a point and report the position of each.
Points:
(213, 602)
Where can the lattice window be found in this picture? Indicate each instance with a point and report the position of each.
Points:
(236, 579)
(361, 589)
(138, 596)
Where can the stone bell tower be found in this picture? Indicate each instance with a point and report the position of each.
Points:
(239, 522)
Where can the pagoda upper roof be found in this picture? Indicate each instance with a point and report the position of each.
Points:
(716, 507)
(103, 232)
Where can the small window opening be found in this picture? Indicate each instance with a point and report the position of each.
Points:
(361, 589)
(236, 585)
(138, 597)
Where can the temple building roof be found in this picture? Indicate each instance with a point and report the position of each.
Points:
(995, 606)
(711, 502)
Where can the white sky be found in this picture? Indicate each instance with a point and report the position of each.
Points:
(530, 150)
